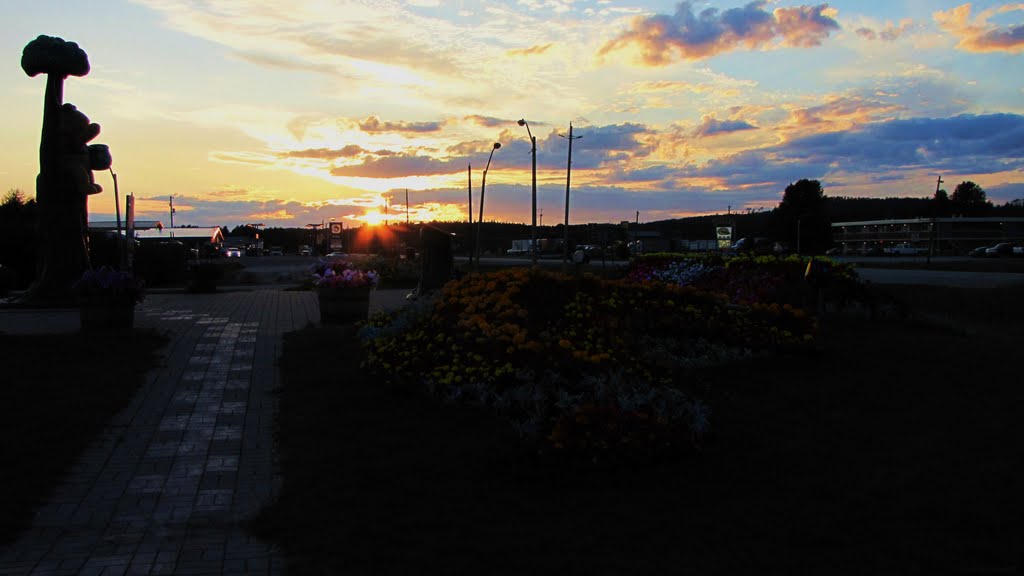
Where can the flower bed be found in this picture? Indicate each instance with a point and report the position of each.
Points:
(746, 279)
(578, 363)
(107, 286)
(342, 274)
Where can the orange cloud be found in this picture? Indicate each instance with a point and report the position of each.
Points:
(841, 113)
(977, 34)
(531, 51)
(281, 214)
(703, 35)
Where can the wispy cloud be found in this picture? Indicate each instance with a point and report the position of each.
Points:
(531, 51)
(888, 33)
(978, 34)
(661, 38)
(373, 124)
(326, 153)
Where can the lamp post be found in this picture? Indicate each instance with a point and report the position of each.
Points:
(313, 231)
(533, 211)
(483, 187)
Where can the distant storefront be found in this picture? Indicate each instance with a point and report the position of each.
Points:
(938, 235)
(199, 239)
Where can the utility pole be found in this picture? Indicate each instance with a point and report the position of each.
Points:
(931, 226)
(568, 177)
(638, 217)
(469, 187)
(542, 217)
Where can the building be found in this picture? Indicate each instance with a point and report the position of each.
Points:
(203, 240)
(949, 236)
(111, 225)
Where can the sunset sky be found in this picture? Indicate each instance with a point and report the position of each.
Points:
(293, 112)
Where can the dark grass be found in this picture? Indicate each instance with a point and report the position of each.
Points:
(896, 449)
(57, 392)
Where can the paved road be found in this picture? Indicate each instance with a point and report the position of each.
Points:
(940, 278)
(281, 267)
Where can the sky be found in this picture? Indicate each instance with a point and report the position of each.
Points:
(288, 113)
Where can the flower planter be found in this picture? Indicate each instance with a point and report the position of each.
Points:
(106, 318)
(340, 305)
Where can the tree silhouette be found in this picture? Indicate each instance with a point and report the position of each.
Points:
(802, 217)
(941, 205)
(969, 199)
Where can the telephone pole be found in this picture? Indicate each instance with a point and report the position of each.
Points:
(931, 226)
(568, 177)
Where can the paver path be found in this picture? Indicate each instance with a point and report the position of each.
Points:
(167, 487)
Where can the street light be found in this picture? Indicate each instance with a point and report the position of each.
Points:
(533, 212)
(313, 229)
(483, 187)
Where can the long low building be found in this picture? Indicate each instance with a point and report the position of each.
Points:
(948, 236)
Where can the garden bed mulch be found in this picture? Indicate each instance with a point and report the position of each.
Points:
(895, 449)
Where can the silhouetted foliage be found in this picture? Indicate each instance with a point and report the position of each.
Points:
(969, 200)
(802, 218)
(18, 216)
(941, 205)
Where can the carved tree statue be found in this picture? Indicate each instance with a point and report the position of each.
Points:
(65, 179)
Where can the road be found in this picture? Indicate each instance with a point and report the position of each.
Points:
(291, 267)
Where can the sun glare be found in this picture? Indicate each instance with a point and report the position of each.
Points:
(373, 218)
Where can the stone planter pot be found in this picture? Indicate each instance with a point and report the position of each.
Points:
(344, 305)
(106, 318)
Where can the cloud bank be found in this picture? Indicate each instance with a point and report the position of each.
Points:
(978, 34)
(661, 38)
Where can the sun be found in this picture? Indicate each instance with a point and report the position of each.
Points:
(372, 218)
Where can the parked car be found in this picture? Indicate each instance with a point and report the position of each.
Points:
(305, 251)
(872, 250)
(276, 252)
(1001, 249)
(905, 249)
(233, 252)
(336, 256)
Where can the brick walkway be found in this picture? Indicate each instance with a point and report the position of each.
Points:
(168, 486)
